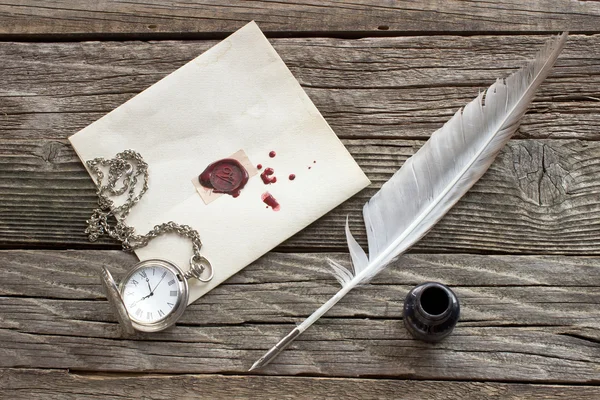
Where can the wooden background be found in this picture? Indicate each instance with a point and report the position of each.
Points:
(521, 250)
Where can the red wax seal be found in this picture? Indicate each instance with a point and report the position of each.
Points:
(225, 176)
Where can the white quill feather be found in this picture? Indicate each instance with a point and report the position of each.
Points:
(429, 183)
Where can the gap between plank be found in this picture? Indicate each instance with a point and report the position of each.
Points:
(158, 36)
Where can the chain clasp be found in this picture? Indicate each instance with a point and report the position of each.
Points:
(197, 263)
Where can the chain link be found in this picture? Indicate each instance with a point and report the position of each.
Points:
(124, 172)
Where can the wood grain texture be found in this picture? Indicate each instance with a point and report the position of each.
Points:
(532, 318)
(530, 323)
(385, 88)
(31, 384)
(539, 196)
(70, 18)
(402, 87)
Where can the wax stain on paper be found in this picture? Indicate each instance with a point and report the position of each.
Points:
(270, 201)
(268, 177)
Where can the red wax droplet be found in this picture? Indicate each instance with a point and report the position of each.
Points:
(266, 176)
(272, 154)
(314, 162)
(224, 176)
(292, 177)
(259, 166)
(309, 167)
(270, 201)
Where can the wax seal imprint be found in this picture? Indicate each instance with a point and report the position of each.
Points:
(225, 176)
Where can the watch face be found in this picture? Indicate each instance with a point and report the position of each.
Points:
(151, 292)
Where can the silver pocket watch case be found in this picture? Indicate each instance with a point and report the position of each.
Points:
(116, 301)
(114, 293)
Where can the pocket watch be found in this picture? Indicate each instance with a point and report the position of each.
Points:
(151, 297)
(154, 293)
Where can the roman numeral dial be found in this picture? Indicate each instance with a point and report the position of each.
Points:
(150, 293)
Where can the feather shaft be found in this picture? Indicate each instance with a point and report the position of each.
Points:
(311, 319)
(290, 337)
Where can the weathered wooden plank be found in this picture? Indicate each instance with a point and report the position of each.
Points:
(30, 384)
(403, 87)
(493, 286)
(338, 347)
(522, 317)
(539, 196)
(199, 18)
(53, 89)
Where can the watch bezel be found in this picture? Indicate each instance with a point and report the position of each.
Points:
(180, 303)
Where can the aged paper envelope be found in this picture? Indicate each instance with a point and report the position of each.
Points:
(237, 95)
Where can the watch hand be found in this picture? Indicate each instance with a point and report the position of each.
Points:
(143, 298)
(149, 288)
(161, 279)
(135, 302)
